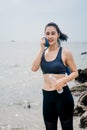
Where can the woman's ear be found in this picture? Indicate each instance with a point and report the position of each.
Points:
(58, 35)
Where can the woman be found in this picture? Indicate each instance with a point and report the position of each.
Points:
(53, 61)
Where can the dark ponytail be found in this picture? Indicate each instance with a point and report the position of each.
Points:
(63, 37)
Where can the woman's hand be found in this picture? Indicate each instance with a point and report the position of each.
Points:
(42, 42)
(60, 83)
(37, 61)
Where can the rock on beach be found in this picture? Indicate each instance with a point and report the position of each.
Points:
(80, 90)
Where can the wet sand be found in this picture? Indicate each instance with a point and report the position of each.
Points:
(21, 117)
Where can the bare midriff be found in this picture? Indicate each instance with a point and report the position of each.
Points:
(47, 81)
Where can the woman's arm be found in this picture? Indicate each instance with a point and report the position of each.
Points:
(69, 61)
(37, 60)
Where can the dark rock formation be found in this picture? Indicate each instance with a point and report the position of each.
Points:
(81, 106)
(79, 89)
(82, 77)
(78, 110)
(83, 120)
(81, 110)
(85, 52)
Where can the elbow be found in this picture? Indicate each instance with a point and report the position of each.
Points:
(34, 69)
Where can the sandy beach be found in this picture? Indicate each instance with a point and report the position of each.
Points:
(19, 87)
(19, 117)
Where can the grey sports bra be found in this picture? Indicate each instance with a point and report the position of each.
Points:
(56, 66)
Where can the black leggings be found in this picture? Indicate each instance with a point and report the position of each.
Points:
(58, 105)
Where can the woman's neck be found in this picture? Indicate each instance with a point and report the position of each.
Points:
(54, 47)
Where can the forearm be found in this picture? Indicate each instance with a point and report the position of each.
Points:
(63, 81)
(37, 60)
(70, 77)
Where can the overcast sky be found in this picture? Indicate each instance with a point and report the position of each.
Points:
(25, 19)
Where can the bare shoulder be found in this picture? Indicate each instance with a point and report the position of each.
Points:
(67, 52)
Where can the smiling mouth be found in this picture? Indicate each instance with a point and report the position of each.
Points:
(50, 40)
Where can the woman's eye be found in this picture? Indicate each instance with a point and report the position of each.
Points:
(53, 33)
(47, 33)
(50, 33)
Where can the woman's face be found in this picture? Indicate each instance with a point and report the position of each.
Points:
(51, 35)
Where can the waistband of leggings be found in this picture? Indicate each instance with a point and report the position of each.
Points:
(53, 91)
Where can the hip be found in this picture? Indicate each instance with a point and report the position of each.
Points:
(54, 95)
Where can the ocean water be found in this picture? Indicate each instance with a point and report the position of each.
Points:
(18, 84)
